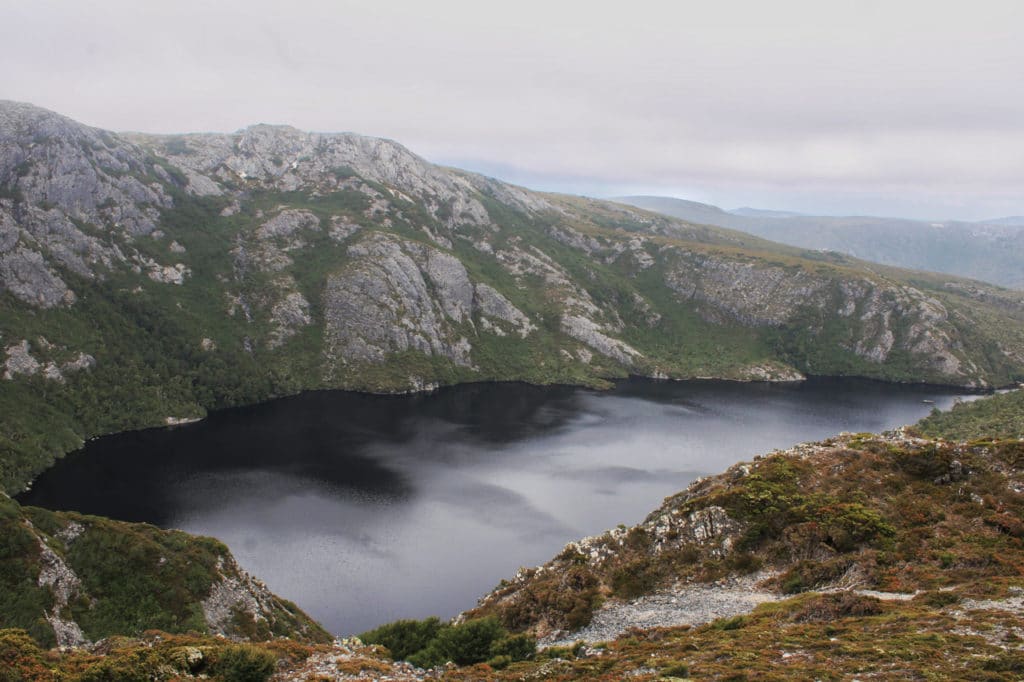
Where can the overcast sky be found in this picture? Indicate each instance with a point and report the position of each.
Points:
(897, 107)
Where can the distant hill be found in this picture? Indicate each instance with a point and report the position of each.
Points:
(991, 251)
(1012, 221)
(764, 213)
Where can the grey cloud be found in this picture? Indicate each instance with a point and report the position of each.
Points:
(913, 107)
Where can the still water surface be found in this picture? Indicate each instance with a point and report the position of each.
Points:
(364, 509)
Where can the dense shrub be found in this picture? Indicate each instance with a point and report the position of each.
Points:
(20, 657)
(807, 574)
(829, 607)
(636, 578)
(430, 643)
(403, 638)
(464, 644)
(244, 663)
(515, 647)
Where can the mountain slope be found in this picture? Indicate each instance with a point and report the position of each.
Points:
(990, 250)
(892, 529)
(151, 278)
(68, 579)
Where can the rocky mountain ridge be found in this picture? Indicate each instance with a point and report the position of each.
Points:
(146, 278)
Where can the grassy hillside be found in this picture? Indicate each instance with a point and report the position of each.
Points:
(998, 416)
(67, 578)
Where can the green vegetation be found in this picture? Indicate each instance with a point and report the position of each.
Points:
(129, 578)
(998, 416)
(430, 643)
(158, 656)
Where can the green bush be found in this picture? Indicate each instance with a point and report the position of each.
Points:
(244, 663)
(635, 579)
(516, 647)
(499, 662)
(469, 642)
(403, 638)
(428, 643)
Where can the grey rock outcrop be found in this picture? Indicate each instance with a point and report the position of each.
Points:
(64, 585)
(492, 304)
(236, 594)
(20, 361)
(25, 274)
(59, 182)
(883, 316)
(397, 295)
(284, 158)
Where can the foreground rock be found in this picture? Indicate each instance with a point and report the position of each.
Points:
(682, 604)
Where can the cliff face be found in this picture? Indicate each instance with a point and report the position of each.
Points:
(152, 277)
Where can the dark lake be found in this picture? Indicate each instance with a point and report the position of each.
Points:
(364, 509)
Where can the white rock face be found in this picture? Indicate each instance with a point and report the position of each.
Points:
(491, 303)
(753, 293)
(235, 593)
(27, 276)
(341, 229)
(883, 317)
(20, 361)
(380, 303)
(589, 332)
(168, 274)
(64, 585)
(397, 295)
(62, 172)
(288, 315)
(287, 224)
(285, 158)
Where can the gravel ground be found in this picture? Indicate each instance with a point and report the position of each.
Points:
(684, 604)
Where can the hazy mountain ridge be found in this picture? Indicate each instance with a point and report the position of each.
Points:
(990, 250)
(147, 278)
